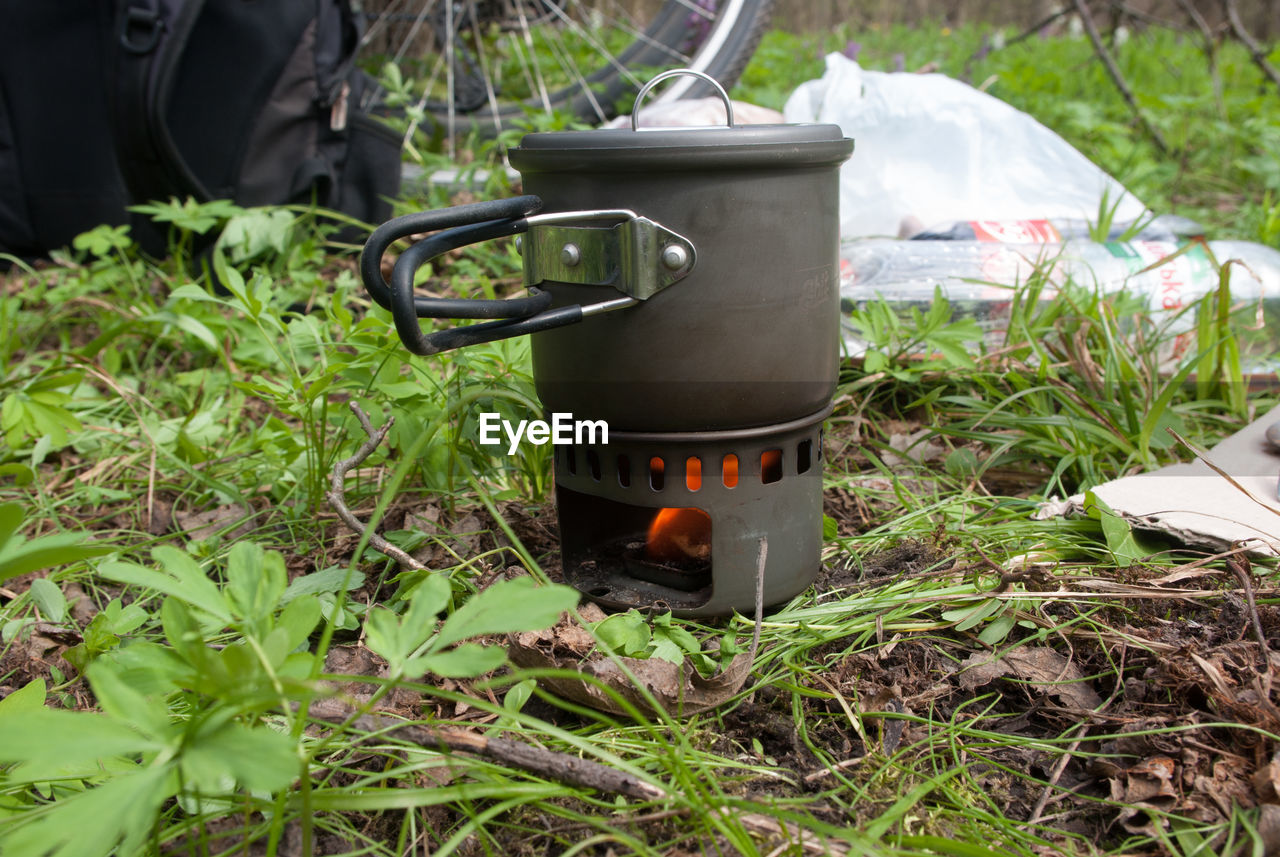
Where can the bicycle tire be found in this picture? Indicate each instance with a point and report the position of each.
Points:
(716, 37)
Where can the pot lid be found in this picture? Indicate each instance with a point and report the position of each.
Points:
(668, 149)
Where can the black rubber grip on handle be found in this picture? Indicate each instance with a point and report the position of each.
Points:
(477, 221)
(457, 337)
(405, 303)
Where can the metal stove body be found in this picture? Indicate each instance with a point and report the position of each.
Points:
(702, 266)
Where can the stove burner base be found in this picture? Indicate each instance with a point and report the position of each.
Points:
(763, 482)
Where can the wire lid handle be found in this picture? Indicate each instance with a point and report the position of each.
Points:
(675, 72)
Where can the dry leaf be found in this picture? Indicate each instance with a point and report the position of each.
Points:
(678, 689)
(208, 522)
(1148, 780)
(1146, 786)
(1266, 781)
(1268, 827)
(1039, 667)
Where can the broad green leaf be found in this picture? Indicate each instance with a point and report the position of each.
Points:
(998, 629)
(985, 609)
(666, 649)
(190, 291)
(426, 601)
(259, 759)
(10, 519)
(21, 474)
(182, 578)
(382, 634)
(1126, 546)
(299, 619)
(465, 661)
(19, 557)
(397, 638)
(48, 739)
(198, 329)
(49, 598)
(30, 697)
(125, 704)
(327, 580)
(624, 633)
(663, 626)
(113, 818)
(148, 668)
(241, 661)
(518, 695)
(184, 632)
(507, 606)
(256, 579)
(124, 619)
(275, 647)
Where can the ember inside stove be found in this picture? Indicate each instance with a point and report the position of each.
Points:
(701, 263)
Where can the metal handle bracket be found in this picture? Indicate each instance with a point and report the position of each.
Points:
(636, 256)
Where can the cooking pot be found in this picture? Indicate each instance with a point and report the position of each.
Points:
(679, 279)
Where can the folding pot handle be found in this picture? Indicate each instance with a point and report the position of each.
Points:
(633, 254)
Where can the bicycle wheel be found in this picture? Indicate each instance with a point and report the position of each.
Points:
(484, 64)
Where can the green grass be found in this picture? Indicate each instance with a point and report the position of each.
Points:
(157, 677)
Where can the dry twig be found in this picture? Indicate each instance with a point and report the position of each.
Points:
(1255, 50)
(1243, 570)
(335, 492)
(561, 767)
(1113, 70)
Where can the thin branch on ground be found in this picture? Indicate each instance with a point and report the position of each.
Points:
(1243, 570)
(560, 767)
(1113, 71)
(1255, 50)
(760, 563)
(1082, 730)
(335, 494)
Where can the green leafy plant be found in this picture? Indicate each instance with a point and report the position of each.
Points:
(19, 555)
(661, 636)
(416, 643)
(215, 726)
(1102, 227)
(186, 220)
(906, 345)
(35, 412)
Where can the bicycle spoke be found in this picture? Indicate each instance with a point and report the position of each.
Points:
(485, 74)
(527, 64)
(493, 61)
(571, 68)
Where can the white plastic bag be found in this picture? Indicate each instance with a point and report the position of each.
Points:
(934, 149)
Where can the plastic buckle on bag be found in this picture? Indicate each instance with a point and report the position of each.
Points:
(140, 30)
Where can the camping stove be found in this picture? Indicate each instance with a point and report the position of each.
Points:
(681, 289)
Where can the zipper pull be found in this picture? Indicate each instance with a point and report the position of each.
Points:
(338, 112)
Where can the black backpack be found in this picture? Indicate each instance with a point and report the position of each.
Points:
(107, 104)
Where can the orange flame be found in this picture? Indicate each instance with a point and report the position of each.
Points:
(683, 533)
(678, 534)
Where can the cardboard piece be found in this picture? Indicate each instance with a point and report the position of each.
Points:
(1195, 505)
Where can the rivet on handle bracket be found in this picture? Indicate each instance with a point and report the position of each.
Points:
(635, 256)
